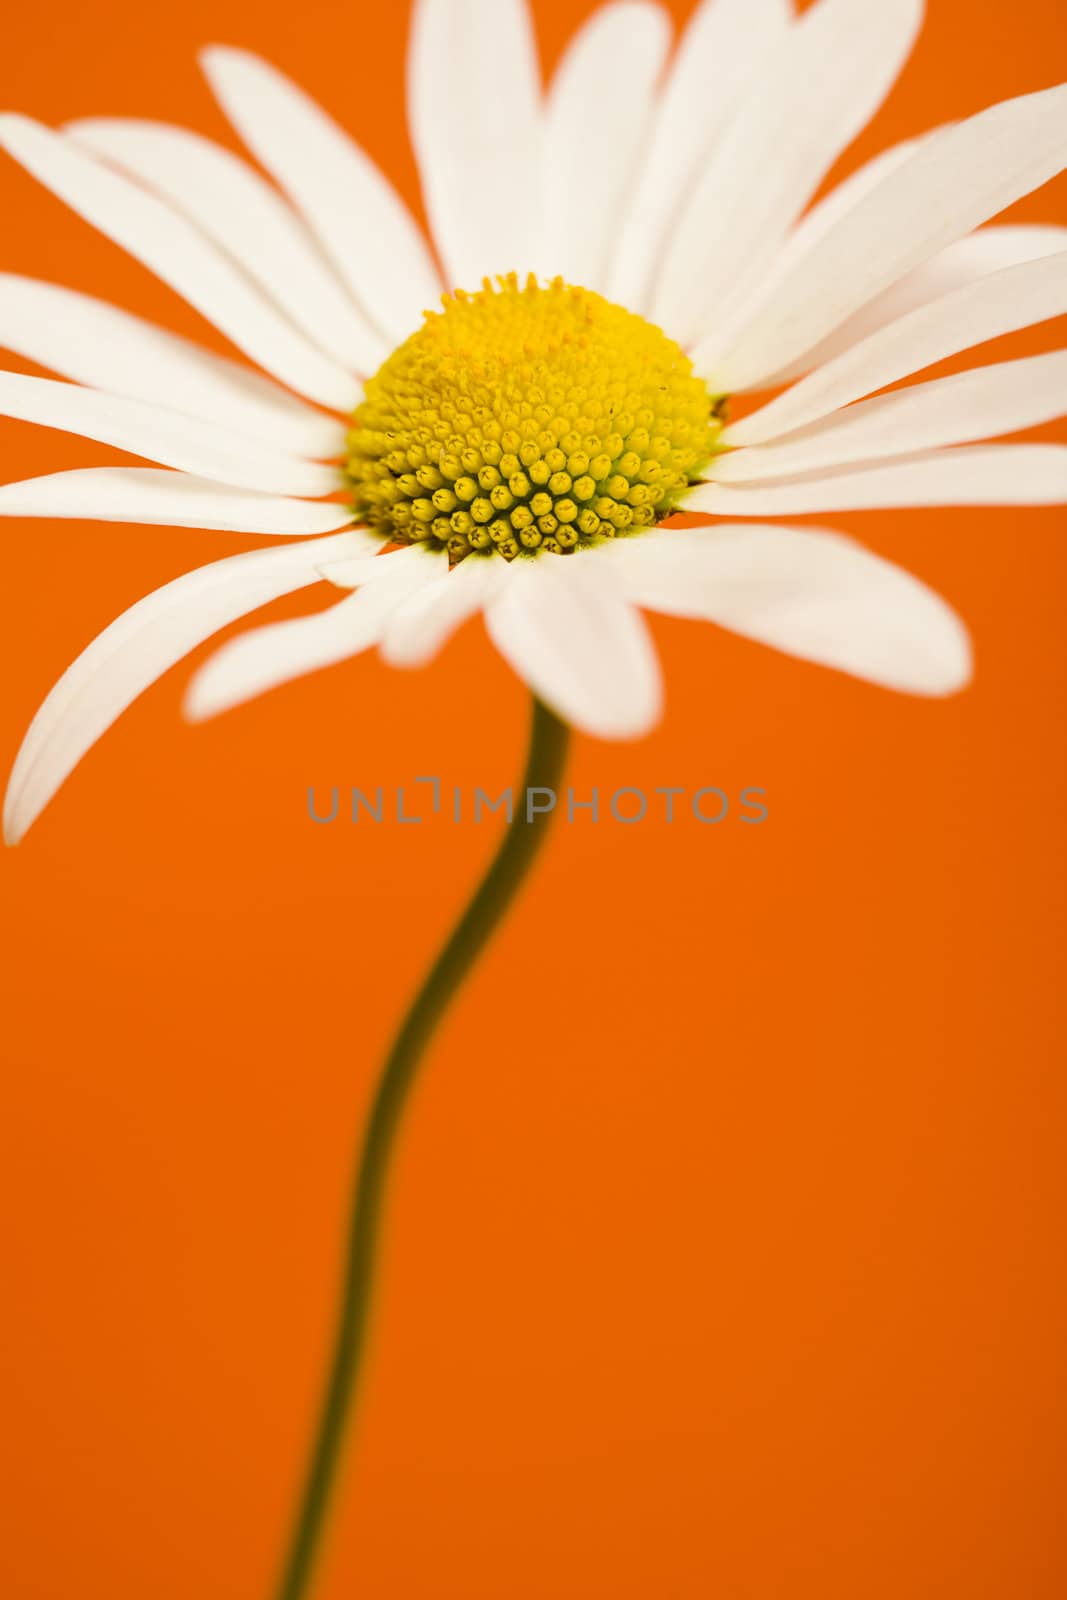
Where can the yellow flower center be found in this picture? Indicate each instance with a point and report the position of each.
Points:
(529, 418)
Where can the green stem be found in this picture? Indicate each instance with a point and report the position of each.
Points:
(515, 855)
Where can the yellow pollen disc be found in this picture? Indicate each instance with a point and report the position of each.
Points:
(520, 419)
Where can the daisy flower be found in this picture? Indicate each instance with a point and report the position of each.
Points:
(502, 417)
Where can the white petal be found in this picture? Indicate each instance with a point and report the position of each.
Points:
(364, 226)
(976, 475)
(822, 217)
(97, 344)
(726, 330)
(596, 124)
(724, 44)
(971, 405)
(352, 572)
(1005, 301)
(152, 431)
(266, 657)
(950, 185)
(814, 594)
(169, 500)
(242, 213)
(824, 83)
(178, 253)
(474, 115)
(562, 623)
(423, 624)
(137, 649)
(981, 253)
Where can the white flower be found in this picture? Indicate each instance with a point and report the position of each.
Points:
(679, 192)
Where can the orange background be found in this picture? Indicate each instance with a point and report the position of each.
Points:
(724, 1254)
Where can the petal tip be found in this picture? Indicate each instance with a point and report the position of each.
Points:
(199, 702)
(956, 662)
(636, 723)
(215, 59)
(14, 123)
(946, 667)
(16, 824)
(218, 59)
(956, 675)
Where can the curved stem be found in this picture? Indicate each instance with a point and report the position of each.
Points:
(545, 761)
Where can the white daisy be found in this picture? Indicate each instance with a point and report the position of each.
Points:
(622, 256)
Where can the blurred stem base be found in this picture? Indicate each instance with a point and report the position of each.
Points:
(523, 837)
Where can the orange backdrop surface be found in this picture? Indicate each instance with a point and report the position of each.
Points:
(724, 1254)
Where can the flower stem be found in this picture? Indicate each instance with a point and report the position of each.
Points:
(515, 855)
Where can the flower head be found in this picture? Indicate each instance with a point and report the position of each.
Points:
(532, 418)
(505, 423)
